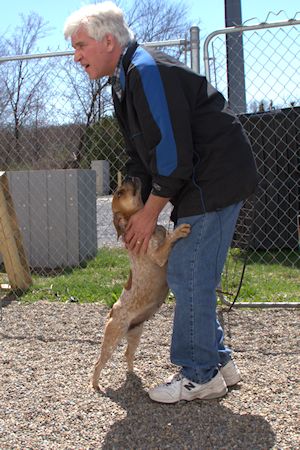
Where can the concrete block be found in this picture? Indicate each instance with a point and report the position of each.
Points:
(102, 176)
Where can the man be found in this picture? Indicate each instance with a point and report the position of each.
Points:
(187, 148)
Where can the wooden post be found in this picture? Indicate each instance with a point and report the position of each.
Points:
(11, 243)
(119, 178)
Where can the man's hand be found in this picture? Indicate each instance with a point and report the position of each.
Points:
(142, 224)
(139, 231)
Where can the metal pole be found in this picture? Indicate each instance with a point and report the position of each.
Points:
(235, 58)
(195, 48)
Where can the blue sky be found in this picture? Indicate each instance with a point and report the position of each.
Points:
(210, 14)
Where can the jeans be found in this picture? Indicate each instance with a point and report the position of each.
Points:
(194, 272)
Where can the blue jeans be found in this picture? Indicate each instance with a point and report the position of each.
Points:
(194, 272)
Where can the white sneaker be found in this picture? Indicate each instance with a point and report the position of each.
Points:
(230, 373)
(180, 388)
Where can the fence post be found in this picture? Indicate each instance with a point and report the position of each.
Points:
(11, 242)
(195, 48)
(235, 58)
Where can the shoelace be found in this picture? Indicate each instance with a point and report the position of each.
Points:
(176, 377)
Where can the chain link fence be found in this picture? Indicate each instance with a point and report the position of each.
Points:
(56, 125)
(257, 69)
(63, 153)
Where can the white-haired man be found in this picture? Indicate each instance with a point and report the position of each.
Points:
(188, 148)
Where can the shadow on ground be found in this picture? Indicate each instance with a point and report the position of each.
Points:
(183, 425)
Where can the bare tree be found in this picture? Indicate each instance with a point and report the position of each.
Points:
(3, 100)
(25, 37)
(87, 101)
(23, 81)
(87, 97)
(157, 20)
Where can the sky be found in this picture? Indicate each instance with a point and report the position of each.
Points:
(208, 14)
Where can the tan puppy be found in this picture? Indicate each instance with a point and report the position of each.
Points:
(146, 288)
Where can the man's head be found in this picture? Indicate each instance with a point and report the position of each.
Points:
(98, 33)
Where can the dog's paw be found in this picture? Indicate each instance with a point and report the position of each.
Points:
(183, 230)
(95, 385)
(96, 388)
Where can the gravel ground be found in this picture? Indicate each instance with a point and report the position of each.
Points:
(48, 350)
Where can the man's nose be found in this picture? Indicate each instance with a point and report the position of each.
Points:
(77, 56)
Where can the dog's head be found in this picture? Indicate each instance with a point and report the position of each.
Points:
(126, 201)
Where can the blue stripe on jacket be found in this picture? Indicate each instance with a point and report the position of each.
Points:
(122, 77)
(166, 152)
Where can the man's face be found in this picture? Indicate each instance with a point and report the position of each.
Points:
(98, 58)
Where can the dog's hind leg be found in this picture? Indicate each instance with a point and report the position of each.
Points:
(115, 330)
(133, 338)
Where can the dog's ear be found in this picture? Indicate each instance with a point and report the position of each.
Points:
(120, 223)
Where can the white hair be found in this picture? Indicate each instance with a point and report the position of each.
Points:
(98, 20)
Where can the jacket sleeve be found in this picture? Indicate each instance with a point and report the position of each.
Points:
(164, 117)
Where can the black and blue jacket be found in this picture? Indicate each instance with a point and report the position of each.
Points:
(181, 138)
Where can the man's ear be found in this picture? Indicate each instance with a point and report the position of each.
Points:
(120, 223)
(110, 41)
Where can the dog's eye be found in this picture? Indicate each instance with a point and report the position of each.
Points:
(120, 193)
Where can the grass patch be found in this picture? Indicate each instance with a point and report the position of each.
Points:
(101, 280)
(269, 277)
